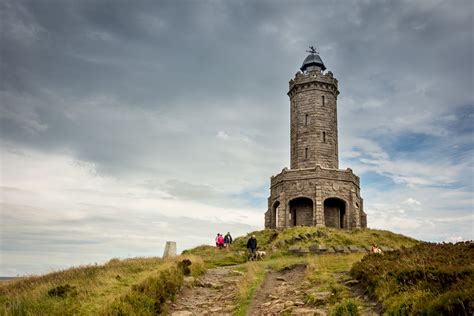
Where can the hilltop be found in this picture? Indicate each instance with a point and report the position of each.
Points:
(300, 275)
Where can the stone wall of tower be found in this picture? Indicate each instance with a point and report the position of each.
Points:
(313, 107)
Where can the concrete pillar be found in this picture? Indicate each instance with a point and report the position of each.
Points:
(319, 209)
(283, 212)
(269, 220)
(170, 249)
(354, 211)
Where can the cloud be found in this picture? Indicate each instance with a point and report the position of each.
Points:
(80, 212)
(115, 117)
(412, 201)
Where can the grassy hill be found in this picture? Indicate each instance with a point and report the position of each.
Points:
(136, 286)
(277, 243)
(144, 286)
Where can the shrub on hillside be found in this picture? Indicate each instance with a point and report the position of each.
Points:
(150, 296)
(425, 279)
(62, 291)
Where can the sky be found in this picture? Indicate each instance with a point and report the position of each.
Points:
(124, 124)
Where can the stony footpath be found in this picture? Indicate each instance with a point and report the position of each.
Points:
(211, 294)
(283, 292)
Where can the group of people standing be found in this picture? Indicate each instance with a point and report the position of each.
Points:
(223, 241)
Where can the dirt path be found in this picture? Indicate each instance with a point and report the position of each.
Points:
(213, 294)
(371, 306)
(281, 292)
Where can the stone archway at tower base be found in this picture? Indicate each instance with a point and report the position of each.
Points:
(335, 214)
(301, 212)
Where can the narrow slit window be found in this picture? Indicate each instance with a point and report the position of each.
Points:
(323, 101)
(306, 153)
(324, 137)
(306, 119)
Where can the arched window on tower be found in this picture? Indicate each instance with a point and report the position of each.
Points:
(323, 101)
(324, 137)
(306, 153)
(306, 119)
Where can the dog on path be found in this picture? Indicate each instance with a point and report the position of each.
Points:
(260, 254)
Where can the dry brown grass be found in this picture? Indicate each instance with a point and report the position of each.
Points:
(82, 290)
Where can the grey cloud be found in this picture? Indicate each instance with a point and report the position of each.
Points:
(142, 89)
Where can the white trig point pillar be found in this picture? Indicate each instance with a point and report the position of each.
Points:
(170, 249)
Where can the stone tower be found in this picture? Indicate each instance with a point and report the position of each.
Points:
(314, 191)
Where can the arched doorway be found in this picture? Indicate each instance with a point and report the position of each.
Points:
(301, 212)
(275, 211)
(335, 213)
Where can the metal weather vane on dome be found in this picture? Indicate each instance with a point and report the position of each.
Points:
(312, 50)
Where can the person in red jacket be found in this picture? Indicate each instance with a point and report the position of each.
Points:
(220, 241)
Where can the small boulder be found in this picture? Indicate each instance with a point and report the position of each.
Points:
(353, 248)
(303, 236)
(314, 248)
(322, 248)
(308, 312)
(275, 308)
(182, 313)
(294, 249)
(351, 282)
(236, 272)
(189, 281)
(303, 251)
(289, 303)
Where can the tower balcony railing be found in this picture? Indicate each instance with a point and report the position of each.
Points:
(314, 79)
(317, 172)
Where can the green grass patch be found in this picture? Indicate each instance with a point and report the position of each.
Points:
(215, 257)
(326, 272)
(285, 263)
(246, 289)
(347, 307)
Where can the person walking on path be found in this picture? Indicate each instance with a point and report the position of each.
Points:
(227, 240)
(252, 247)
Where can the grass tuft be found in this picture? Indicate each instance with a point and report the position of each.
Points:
(347, 307)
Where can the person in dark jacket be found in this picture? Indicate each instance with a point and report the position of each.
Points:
(227, 240)
(252, 247)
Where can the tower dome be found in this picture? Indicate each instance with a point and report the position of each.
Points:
(312, 61)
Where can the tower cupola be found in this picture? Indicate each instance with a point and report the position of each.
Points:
(313, 61)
